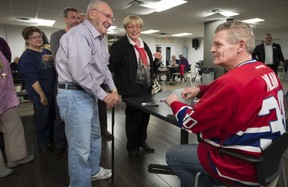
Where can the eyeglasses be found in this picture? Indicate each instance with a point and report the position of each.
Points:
(134, 27)
(105, 14)
(73, 17)
(35, 37)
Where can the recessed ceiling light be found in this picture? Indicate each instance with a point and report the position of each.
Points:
(182, 34)
(164, 5)
(45, 22)
(149, 31)
(253, 20)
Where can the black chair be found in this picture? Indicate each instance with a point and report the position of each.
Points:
(269, 166)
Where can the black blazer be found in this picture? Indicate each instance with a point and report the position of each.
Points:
(123, 64)
(259, 53)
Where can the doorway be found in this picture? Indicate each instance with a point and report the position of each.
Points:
(166, 53)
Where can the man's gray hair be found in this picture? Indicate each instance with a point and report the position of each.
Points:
(237, 31)
(93, 4)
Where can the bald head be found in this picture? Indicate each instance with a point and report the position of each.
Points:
(100, 15)
(268, 39)
(82, 17)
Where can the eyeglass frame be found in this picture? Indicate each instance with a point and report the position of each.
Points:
(139, 27)
(105, 14)
(35, 37)
(72, 17)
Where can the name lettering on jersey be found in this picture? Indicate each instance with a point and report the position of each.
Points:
(275, 103)
(271, 81)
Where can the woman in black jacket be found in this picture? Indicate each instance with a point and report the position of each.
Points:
(128, 56)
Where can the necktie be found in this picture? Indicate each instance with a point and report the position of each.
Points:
(142, 54)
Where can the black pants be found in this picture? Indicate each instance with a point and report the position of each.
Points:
(102, 115)
(274, 67)
(136, 127)
(44, 120)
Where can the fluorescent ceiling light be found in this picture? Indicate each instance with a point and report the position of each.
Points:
(164, 5)
(149, 31)
(228, 13)
(45, 22)
(182, 34)
(253, 20)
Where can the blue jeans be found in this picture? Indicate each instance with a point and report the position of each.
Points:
(183, 160)
(79, 111)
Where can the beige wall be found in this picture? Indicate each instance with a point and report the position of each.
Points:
(12, 34)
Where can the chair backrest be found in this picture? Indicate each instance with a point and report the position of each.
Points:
(268, 166)
(272, 157)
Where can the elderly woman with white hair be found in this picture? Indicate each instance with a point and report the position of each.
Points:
(10, 123)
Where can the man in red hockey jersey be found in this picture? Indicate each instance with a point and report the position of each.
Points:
(242, 110)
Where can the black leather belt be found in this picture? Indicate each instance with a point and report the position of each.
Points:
(70, 86)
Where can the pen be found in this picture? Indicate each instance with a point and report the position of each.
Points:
(163, 99)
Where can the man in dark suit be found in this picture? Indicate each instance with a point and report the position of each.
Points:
(269, 53)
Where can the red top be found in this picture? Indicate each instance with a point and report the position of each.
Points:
(242, 110)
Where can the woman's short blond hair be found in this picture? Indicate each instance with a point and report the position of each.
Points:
(132, 19)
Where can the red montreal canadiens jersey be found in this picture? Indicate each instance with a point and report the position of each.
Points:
(241, 110)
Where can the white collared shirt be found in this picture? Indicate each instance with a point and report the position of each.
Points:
(268, 54)
(82, 58)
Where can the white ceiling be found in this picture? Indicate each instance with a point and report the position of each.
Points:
(184, 18)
